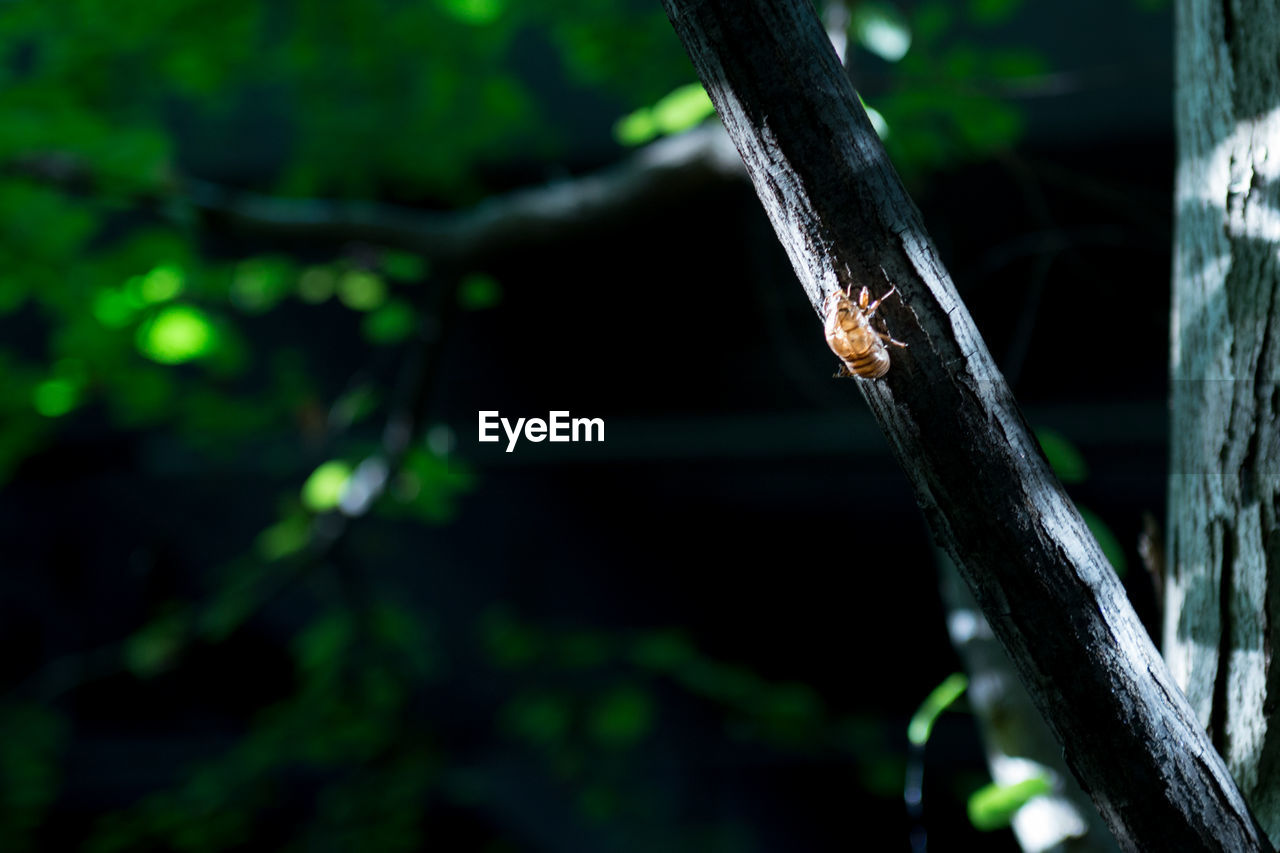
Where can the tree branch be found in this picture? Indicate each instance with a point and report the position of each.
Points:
(843, 216)
(668, 169)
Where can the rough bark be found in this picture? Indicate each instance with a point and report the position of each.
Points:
(1019, 745)
(986, 490)
(1223, 548)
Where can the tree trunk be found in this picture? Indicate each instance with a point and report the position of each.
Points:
(1223, 547)
(843, 217)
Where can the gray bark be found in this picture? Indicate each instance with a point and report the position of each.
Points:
(987, 492)
(1019, 745)
(1223, 547)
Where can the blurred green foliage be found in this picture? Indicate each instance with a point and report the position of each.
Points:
(993, 806)
(1065, 460)
(939, 699)
(106, 109)
(781, 715)
(675, 112)
(31, 741)
(949, 100)
(1107, 541)
(1069, 464)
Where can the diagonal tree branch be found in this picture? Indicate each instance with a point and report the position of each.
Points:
(843, 216)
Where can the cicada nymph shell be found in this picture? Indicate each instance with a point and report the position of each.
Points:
(862, 349)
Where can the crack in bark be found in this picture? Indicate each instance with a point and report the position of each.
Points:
(1226, 580)
(1248, 476)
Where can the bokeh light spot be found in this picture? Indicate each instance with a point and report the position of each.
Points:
(361, 290)
(161, 284)
(113, 308)
(476, 12)
(323, 489)
(54, 398)
(316, 284)
(177, 334)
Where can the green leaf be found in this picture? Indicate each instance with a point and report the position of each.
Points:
(941, 698)
(1107, 541)
(635, 128)
(56, 397)
(391, 323)
(674, 113)
(1065, 460)
(177, 334)
(361, 290)
(160, 285)
(993, 806)
(682, 109)
(877, 119)
(323, 489)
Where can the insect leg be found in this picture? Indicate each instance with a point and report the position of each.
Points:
(889, 339)
(871, 309)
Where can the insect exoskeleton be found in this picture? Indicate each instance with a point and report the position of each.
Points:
(862, 349)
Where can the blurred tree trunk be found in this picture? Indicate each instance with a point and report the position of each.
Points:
(1223, 544)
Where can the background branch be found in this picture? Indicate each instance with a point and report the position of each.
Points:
(670, 168)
